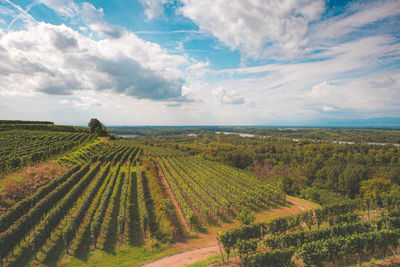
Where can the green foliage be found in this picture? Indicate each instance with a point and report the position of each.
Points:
(144, 217)
(278, 228)
(100, 212)
(78, 213)
(272, 258)
(21, 227)
(295, 165)
(311, 193)
(96, 127)
(247, 246)
(24, 122)
(296, 239)
(246, 217)
(322, 134)
(55, 215)
(346, 218)
(43, 127)
(375, 188)
(230, 238)
(91, 151)
(20, 148)
(23, 206)
(213, 190)
(330, 250)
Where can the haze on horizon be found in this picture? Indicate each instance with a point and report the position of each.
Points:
(188, 62)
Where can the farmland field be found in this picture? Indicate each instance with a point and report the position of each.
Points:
(130, 201)
(111, 195)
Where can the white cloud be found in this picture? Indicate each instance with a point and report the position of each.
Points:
(153, 8)
(69, 76)
(323, 90)
(350, 79)
(359, 94)
(18, 13)
(68, 8)
(257, 28)
(86, 102)
(58, 60)
(228, 97)
(363, 14)
(328, 108)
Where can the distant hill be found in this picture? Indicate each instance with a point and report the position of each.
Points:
(24, 122)
(333, 122)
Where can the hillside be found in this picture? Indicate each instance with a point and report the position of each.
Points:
(111, 194)
(75, 198)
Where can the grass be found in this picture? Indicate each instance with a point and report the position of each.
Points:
(295, 205)
(206, 262)
(126, 255)
(13, 176)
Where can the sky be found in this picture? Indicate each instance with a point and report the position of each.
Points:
(191, 62)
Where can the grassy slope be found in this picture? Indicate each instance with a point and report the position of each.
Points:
(15, 175)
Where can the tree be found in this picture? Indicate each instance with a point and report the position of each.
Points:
(96, 127)
(374, 190)
(349, 179)
(263, 169)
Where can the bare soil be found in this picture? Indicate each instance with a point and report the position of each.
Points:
(186, 258)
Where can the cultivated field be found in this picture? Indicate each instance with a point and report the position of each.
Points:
(124, 202)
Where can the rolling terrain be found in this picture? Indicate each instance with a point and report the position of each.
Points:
(113, 201)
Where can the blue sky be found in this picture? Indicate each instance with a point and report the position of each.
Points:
(188, 62)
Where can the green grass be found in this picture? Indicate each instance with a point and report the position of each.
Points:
(207, 261)
(125, 256)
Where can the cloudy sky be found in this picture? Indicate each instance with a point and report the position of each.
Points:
(191, 62)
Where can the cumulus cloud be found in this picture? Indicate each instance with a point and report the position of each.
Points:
(256, 27)
(106, 30)
(343, 64)
(153, 8)
(58, 60)
(228, 97)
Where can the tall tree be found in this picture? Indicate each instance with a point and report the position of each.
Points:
(96, 127)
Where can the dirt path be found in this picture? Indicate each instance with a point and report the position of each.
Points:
(205, 245)
(185, 258)
(168, 190)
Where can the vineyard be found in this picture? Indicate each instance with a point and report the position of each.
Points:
(207, 191)
(335, 234)
(112, 196)
(20, 148)
(90, 200)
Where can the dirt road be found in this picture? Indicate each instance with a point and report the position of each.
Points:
(185, 258)
(205, 245)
